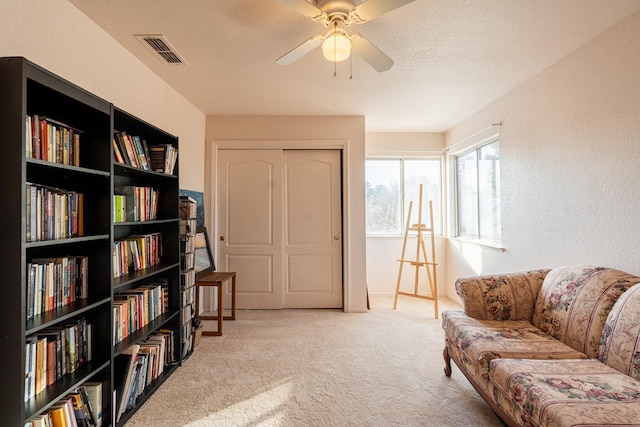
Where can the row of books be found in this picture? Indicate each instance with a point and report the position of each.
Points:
(53, 213)
(132, 203)
(163, 158)
(188, 227)
(80, 408)
(188, 299)
(188, 213)
(138, 366)
(188, 207)
(187, 339)
(187, 279)
(187, 261)
(135, 253)
(53, 353)
(55, 282)
(187, 243)
(134, 308)
(53, 141)
(133, 151)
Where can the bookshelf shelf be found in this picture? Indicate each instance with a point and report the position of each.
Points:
(51, 318)
(68, 241)
(141, 333)
(66, 168)
(48, 301)
(148, 273)
(132, 170)
(143, 223)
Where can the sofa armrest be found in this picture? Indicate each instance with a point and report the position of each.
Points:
(509, 296)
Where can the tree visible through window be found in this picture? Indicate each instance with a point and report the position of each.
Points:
(478, 191)
(391, 184)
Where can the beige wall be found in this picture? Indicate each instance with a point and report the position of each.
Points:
(58, 37)
(570, 145)
(396, 144)
(284, 131)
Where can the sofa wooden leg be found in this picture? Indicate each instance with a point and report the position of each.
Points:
(447, 361)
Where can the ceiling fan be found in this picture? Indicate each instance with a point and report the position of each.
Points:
(336, 43)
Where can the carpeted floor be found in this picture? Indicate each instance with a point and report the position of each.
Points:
(320, 368)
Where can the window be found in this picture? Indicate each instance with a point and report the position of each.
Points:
(478, 188)
(391, 184)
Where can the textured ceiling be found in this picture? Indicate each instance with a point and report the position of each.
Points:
(451, 57)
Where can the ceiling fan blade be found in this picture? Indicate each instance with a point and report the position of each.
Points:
(306, 8)
(299, 51)
(370, 53)
(369, 9)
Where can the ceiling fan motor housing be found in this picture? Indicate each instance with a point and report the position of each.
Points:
(339, 9)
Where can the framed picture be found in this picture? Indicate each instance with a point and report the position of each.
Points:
(204, 262)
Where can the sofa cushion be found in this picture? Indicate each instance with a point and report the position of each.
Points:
(565, 392)
(501, 296)
(475, 342)
(574, 302)
(620, 343)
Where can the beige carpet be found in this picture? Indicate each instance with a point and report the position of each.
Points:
(320, 368)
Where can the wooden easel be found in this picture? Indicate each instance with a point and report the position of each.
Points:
(421, 253)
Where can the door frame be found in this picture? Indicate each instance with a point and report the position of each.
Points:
(211, 187)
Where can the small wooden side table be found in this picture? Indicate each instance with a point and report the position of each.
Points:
(217, 279)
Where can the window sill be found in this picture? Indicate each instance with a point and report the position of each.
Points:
(401, 236)
(489, 245)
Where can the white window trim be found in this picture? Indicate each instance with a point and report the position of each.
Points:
(406, 155)
(454, 196)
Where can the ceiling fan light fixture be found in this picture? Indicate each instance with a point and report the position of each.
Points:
(336, 46)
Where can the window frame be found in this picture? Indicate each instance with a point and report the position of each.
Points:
(478, 239)
(403, 203)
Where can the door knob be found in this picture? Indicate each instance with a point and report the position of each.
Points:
(336, 237)
(222, 238)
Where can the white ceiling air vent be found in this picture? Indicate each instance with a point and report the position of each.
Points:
(160, 46)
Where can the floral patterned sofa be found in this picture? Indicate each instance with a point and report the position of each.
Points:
(554, 347)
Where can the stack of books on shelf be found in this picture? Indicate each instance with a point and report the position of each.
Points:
(81, 407)
(134, 308)
(131, 150)
(53, 213)
(135, 253)
(133, 203)
(139, 365)
(53, 353)
(163, 158)
(50, 140)
(55, 282)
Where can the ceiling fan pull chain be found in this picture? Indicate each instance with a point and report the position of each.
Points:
(350, 67)
(335, 48)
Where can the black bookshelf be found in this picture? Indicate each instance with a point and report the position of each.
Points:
(29, 90)
(166, 223)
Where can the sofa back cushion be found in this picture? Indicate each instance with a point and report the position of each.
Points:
(620, 343)
(574, 302)
(509, 296)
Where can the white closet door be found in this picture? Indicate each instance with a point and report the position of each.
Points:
(250, 224)
(279, 223)
(313, 229)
